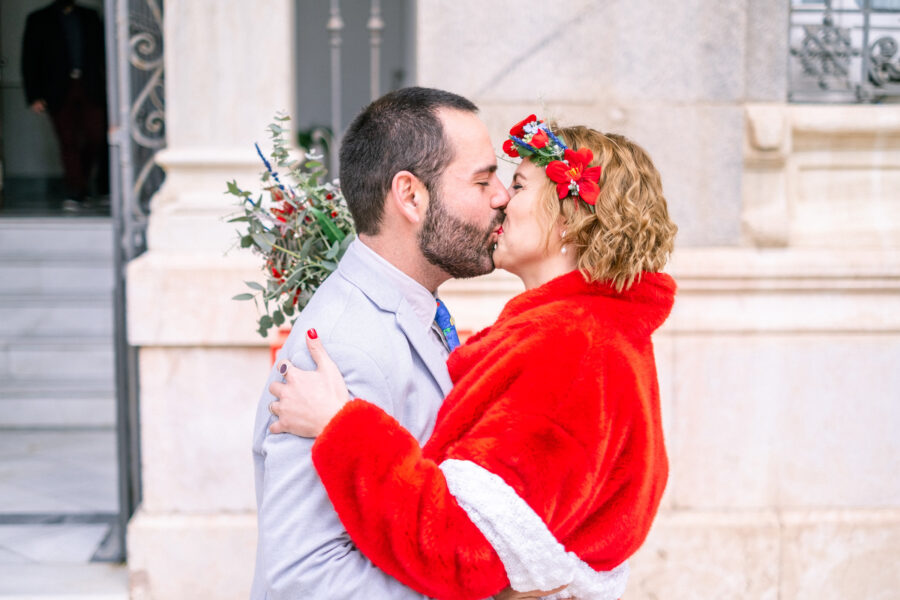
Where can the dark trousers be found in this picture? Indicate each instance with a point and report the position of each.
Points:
(80, 126)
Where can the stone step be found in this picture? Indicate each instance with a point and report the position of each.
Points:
(63, 582)
(55, 275)
(53, 409)
(23, 238)
(57, 316)
(75, 361)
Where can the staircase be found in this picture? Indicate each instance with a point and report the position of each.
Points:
(56, 323)
(58, 481)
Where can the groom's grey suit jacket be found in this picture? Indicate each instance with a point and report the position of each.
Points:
(379, 334)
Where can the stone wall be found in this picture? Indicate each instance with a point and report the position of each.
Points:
(777, 366)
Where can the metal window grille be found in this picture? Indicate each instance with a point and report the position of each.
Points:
(844, 50)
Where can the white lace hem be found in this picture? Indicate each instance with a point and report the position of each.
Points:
(534, 559)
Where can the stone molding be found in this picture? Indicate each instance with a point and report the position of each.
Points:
(821, 176)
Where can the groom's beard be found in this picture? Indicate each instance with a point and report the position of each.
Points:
(461, 249)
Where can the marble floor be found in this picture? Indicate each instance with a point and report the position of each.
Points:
(58, 504)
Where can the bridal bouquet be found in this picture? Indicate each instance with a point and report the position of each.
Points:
(299, 225)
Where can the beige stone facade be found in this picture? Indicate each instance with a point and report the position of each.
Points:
(778, 365)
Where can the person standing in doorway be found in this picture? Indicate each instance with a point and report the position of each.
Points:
(64, 72)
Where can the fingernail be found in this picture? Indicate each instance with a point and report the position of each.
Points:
(312, 334)
(283, 369)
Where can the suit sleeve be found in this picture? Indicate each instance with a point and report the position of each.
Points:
(397, 504)
(306, 553)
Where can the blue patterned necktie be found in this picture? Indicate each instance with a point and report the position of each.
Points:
(445, 322)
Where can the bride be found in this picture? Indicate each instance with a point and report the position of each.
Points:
(547, 462)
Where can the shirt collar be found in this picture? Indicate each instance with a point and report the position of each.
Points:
(422, 302)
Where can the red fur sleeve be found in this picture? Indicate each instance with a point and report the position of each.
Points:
(396, 507)
(533, 430)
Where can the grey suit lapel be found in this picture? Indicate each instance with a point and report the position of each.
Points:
(362, 272)
(425, 347)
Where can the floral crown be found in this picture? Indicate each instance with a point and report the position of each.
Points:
(532, 138)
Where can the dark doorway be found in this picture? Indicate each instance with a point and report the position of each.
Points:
(33, 182)
(59, 485)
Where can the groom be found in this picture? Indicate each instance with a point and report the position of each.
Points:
(419, 174)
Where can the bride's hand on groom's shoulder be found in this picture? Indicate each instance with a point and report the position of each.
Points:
(307, 400)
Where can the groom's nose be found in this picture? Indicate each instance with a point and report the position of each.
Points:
(500, 197)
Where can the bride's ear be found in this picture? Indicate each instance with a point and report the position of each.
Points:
(409, 197)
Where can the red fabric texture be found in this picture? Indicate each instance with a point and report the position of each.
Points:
(559, 398)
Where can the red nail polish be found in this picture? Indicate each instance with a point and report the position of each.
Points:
(312, 334)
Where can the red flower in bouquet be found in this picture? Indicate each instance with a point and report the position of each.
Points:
(573, 176)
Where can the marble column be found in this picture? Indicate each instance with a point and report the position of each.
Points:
(202, 366)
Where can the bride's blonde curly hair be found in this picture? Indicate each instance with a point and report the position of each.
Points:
(631, 231)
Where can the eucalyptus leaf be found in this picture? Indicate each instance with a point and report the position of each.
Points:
(278, 318)
(307, 245)
(294, 279)
(233, 188)
(243, 297)
(331, 230)
(255, 286)
(262, 242)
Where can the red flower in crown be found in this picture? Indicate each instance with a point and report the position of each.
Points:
(576, 176)
(518, 129)
(539, 139)
(510, 148)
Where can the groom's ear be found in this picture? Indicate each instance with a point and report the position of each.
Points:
(409, 196)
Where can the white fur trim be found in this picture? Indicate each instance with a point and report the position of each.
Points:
(532, 556)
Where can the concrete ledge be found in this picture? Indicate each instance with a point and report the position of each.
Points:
(694, 556)
(765, 555)
(184, 299)
(743, 290)
(175, 557)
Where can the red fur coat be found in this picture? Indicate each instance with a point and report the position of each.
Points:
(559, 398)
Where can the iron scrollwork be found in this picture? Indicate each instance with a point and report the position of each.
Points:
(825, 52)
(147, 113)
(834, 59)
(882, 71)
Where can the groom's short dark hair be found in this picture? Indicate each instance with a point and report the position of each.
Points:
(398, 132)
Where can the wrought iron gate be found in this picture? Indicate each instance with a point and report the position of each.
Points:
(134, 42)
